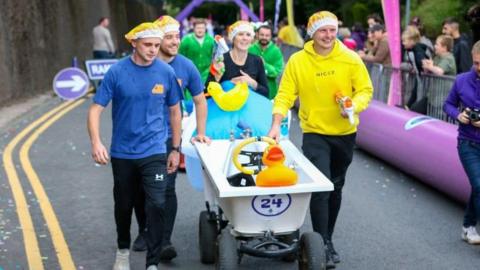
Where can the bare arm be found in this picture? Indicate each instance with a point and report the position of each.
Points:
(274, 132)
(175, 124)
(429, 66)
(201, 117)
(99, 152)
(436, 70)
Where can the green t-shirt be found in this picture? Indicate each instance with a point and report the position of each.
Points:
(447, 63)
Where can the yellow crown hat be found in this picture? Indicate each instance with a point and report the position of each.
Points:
(144, 30)
(167, 24)
(319, 19)
(240, 26)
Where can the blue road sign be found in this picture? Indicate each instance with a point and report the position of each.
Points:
(71, 83)
(96, 69)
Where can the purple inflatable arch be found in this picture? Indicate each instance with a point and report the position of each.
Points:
(195, 3)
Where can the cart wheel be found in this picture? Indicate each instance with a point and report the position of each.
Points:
(289, 239)
(312, 252)
(227, 251)
(207, 238)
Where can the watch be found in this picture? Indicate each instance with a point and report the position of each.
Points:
(176, 148)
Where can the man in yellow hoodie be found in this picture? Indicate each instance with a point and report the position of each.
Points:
(316, 74)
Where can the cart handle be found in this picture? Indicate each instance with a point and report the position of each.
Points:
(236, 151)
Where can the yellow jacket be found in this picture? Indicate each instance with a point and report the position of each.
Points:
(315, 79)
(289, 35)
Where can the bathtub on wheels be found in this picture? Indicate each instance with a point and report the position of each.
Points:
(244, 219)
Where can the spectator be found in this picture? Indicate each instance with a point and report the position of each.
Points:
(416, 21)
(289, 35)
(473, 17)
(345, 36)
(443, 63)
(461, 45)
(415, 53)
(373, 19)
(464, 93)
(370, 44)
(209, 27)
(359, 35)
(381, 51)
(102, 40)
(271, 55)
(198, 47)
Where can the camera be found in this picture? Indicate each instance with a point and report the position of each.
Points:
(474, 115)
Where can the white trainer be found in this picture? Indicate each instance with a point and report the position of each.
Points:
(470, 235)
(152, 267)
(122, 260)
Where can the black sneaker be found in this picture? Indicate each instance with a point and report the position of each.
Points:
(167, 253)
(330, 264)
(139, 244)
(333, 254)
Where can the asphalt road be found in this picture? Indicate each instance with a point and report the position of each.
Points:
(388, 220)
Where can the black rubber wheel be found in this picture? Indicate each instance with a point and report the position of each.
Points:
(207, 238)
(227, 251)
(289, 239)
(312, 252)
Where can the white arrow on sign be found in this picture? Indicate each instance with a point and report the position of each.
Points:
(77, 83)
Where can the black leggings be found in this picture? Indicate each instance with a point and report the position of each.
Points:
(331, 155)
(147, 176)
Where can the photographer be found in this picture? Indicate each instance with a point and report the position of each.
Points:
(465, 93)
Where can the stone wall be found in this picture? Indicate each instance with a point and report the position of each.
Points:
(40, 37)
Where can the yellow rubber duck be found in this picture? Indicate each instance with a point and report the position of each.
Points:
(276, 174)
(232, 100)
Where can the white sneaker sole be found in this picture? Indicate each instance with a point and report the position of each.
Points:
(471, 242)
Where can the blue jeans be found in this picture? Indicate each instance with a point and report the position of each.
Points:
(469, 153)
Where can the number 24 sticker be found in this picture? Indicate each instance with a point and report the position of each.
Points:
(271, 205)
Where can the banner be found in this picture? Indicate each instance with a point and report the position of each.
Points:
(290, 12)
(278, 3)
(391, 13)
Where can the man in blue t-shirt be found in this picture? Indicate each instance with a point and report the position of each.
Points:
(144, 91)
(189, 79)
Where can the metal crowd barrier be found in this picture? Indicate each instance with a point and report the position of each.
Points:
(432, 87)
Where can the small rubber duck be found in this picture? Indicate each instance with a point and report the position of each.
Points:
(276, 174)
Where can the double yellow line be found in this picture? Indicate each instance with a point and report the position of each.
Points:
(32, 249)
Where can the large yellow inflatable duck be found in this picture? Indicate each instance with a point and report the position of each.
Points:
(232, 100)
(276, 174)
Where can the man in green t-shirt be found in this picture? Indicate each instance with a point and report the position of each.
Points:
(198, 47)
(271, 55)
(443, 63)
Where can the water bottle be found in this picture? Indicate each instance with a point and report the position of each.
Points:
(284, 128)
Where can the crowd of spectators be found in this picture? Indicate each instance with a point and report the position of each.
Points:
(419, 54)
